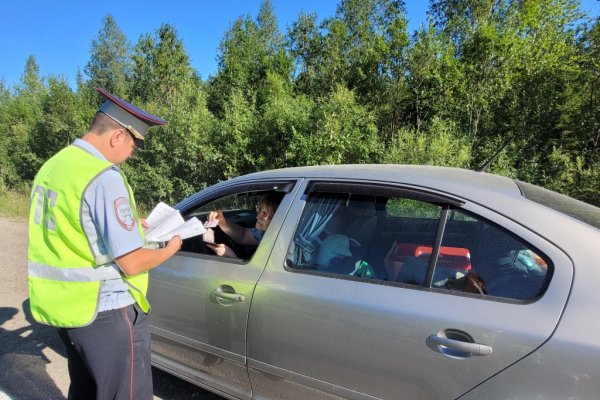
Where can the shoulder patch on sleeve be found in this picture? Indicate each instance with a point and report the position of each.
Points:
(124, 213)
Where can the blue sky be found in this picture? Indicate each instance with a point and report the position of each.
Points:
(59, 33)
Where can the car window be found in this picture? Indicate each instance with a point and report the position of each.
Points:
(401, 207)
(387, 240)
(239, 202)
(239, 209)
(363, 236)
(478, 256)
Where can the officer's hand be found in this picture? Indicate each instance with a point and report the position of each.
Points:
(175, 243)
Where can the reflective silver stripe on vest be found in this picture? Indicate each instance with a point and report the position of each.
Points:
(86, 274)
(103, 259)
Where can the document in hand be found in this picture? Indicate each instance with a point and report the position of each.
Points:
(165, 222)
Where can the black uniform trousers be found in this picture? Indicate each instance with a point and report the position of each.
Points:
(110, 358)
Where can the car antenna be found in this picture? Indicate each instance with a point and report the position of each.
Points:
(483, 167)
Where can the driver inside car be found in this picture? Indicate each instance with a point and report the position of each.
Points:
(265, 209)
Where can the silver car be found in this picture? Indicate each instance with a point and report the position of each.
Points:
(385, 282)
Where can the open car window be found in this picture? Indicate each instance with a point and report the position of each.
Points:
(237, 208)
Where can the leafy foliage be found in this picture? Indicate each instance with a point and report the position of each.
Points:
(355, 87)
(110, 59)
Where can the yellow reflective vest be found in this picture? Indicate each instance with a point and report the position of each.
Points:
(64, 278)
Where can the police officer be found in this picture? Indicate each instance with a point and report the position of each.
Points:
(87, 261)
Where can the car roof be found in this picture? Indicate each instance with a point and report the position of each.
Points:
(446, 179)
(502, 194)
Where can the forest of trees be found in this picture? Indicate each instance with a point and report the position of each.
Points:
(356, 87)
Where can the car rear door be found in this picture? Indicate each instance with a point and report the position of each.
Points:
(315, 335)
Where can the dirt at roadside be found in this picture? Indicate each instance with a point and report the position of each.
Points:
(13, 254)
(33, 366)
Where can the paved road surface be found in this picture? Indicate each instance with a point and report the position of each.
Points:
(32, 359)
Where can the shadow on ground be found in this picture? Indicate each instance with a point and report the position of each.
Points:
(23, 374)
(23, 371)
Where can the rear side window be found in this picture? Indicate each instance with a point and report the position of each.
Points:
(478, 256)
(413, 243)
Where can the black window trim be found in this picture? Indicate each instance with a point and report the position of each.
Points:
(284, 186)
(437, 244)
(380, 189)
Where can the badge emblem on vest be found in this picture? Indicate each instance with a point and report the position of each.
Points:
(124, 213)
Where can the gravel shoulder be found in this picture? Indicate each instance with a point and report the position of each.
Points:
(32, 358)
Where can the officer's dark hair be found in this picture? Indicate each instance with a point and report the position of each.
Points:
(103, 123)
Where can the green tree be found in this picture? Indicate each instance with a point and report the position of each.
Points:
(546, 64)
(6, 167)
(580, 119)
(436, 143)
(253, 80)
(305, 44)
(573, 166)
(19, 115)
(362, 48)
(249, 51)
(483, 33)
(231, 140)
(165, 84)
(110, 59)
(434, 78)
(342, 132)
(58, 127)
(282, 116)
(375, 42)
(162, 66)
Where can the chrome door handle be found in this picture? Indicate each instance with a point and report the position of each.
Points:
(220, 294)
(458, 348)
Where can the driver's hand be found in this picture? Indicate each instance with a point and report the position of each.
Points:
(218, 216)
(221, 250)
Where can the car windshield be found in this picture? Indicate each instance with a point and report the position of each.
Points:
(574, 208)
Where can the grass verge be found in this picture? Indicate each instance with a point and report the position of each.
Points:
(14, 204)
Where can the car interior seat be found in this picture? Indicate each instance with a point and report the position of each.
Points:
(356, 218)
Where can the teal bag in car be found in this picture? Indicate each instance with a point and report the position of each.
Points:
(363, 269)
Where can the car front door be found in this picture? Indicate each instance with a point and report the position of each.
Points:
(200, 302)
(319, 332)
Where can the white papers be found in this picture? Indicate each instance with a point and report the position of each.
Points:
(165, 222)
(208, 236)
